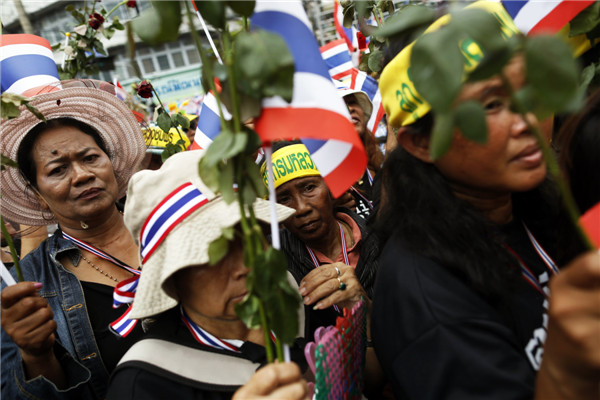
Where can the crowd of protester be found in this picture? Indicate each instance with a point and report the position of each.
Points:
(453, 257)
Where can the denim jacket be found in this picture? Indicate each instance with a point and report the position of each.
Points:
(75, 347)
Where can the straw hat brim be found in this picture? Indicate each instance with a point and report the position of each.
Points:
(187, 246)
(96, 107)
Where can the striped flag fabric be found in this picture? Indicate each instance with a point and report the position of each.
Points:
(338, 59)
(543, 16)
(362, 81)
(209, 122)
(347, 34)
(316, 115)
(26, 61)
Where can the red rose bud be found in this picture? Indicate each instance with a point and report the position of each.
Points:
(131, 3)
(144, 89)
(96, 20)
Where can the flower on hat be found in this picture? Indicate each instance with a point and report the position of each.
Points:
(144, 89)
(96, 20)
(131, 3)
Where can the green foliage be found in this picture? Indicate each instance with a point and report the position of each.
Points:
(11, 103)
(84, 41)
(160, 23)
(586, 22)
(268, 67)
(245, 8)
(213, 11)
(217, 250)
(469, 117)
(7, 162)
(406, 20)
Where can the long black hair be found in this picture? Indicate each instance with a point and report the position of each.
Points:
(419, 208)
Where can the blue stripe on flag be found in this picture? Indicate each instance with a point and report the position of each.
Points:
(514, 6)
(338, 59)
(298, 38)
(19, 67)
(209, 122)
(313, 145)
(159, 222)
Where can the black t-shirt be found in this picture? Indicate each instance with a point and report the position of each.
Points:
(436, 338)
(99, 303)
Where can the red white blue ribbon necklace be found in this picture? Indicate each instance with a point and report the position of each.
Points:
(367, 201)
(315, 260)
(123, 293)
(528, 275)
(209, 340)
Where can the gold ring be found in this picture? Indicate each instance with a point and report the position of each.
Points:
(342, 286)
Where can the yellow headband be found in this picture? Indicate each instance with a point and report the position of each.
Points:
(290, 162)
(401, 101)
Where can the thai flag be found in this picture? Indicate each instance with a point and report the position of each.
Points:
(209, 123)
(347, 34)
(26, 61)
(362, 81)
(338, 59)
(543, 16)
(316, 110)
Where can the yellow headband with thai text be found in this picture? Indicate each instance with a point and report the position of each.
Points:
(402, 102)
(290, 162)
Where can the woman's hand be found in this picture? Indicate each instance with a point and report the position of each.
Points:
(275, 381)
(571, 363)
(28, 319)
(323, 286)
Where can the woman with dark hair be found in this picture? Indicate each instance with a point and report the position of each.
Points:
(461, 307)
(73, 168)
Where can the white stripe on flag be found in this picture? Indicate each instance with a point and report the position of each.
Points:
(324, 159)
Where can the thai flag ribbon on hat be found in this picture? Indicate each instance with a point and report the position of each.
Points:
(209, 122)
(338, 59)
(548, 16)
(173, 209)
(26, 62)
(362, 81)
(316, 114)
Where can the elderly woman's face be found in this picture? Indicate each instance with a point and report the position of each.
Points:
(310, 197)
(75, 178)
(511, 160)
(209, 293)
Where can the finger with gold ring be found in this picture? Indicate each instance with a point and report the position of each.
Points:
(338, 271)
(342, 284)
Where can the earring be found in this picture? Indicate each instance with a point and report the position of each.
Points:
(84, 225)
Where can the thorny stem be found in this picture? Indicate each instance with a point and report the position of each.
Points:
(552, 165)
(13, 251)
(263, 320)
(234, 100)
(115, 7)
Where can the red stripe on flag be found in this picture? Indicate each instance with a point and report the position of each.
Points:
(559, 17)
(23, 38)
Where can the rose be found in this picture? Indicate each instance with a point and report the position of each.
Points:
(96, 20)
(131, 3)
(144, 89)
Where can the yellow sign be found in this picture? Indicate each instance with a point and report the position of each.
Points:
(156, 137)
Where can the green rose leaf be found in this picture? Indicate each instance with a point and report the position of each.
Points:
(248, 311)
(439, 79)
(348, 16)
(469, 117)
(117, 24)
(492, 63)
(409, 18)
(441, 137)
(555, 83)
(480, 26)
(108, 32)
(209, 174)
(7, 162)
(164, 121)
(244, 8)
(363, 65)
(217, 250)
(363, 9)
(35, 111)
(253, 173)
(586, 20)
(181, 120)
(160, 23)
(376, 61)
(226, 182)
(268, 66)
(213, 11)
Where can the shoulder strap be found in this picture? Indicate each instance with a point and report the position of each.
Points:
(189, 363)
